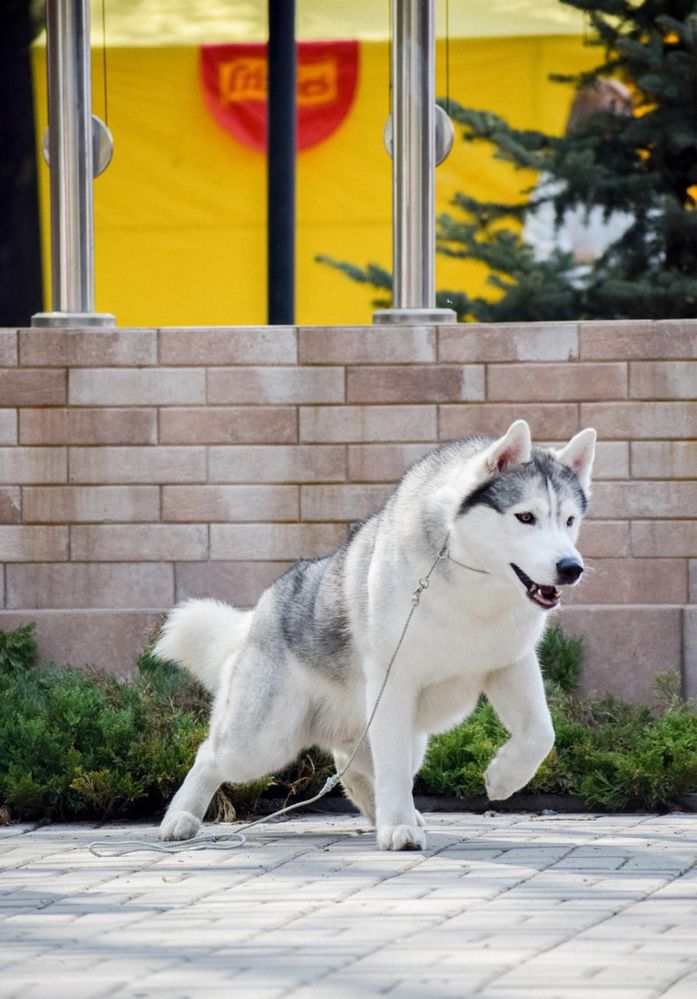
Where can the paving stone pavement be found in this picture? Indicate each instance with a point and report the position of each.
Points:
(498, 907)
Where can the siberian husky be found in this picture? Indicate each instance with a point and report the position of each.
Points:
(305, 666)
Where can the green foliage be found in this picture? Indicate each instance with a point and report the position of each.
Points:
(373, 275)
(561, 659)
(76, 745)
(18, 648)
(644, 165)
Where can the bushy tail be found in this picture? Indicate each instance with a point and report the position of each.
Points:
(200, 635)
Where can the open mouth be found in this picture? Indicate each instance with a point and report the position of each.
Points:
(546, 597)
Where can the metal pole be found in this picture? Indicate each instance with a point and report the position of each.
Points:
(281, 138)
(413, 166)
(71, 159)
(414, 154)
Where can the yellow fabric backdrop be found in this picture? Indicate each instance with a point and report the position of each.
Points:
(180, 215)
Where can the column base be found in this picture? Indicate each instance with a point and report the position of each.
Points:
(413, 317)
(73, 320)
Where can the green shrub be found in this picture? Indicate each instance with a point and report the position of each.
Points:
(561, 659)
(18, 648)
(90, 745)
(77, 745)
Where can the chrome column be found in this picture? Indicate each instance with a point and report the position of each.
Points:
(71, 165)
(413, 166)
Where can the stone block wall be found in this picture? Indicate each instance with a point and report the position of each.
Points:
(139, 467)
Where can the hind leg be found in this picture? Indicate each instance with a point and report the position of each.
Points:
(253, 733)
(189, 804)
(239, 763)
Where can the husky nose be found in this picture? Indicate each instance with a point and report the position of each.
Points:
(568, 571)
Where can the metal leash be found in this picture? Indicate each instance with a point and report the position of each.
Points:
(229, 841)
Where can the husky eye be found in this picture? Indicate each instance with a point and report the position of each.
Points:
(526, 518)
(570, 521)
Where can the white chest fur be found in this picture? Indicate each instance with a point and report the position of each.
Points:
(463, 628)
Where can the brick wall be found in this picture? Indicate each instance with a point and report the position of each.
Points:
(142, 466)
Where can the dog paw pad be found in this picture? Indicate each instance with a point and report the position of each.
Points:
(179, 825)
(401, 838)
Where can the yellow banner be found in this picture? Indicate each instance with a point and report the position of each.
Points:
(180, 215)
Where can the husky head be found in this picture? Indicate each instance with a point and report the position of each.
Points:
(522, 511)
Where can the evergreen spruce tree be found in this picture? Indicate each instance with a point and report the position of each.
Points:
(643, 164)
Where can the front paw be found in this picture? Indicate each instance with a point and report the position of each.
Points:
(401, 838)
(500, 782)
(179, 825)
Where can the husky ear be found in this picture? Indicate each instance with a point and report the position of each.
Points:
(578, 455)
(514, 448)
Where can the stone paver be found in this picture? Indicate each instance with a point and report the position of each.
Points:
(500, 906)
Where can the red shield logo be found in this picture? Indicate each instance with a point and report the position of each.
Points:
(234, 79)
